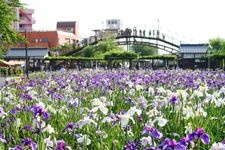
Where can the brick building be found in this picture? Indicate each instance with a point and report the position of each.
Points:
(48, 39)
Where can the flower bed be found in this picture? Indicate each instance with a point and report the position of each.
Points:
(114, 110)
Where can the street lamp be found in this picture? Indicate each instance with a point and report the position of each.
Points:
(209, 48)
(26, 55)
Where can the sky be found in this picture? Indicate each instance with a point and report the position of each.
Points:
(189, 21)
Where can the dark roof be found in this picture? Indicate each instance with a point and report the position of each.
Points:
(31, 52)
(193, 48)
(66, 23)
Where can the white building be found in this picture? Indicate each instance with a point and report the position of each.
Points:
(114, 24)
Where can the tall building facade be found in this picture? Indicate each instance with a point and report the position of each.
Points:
(26, 20)
(68, 26)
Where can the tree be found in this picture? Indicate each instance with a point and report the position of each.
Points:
(7, 16)
(217, 45)
(89, 51)
(144, 50)
(65, 48)
(107, 45)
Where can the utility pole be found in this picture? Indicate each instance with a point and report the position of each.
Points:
(209, 58)
(26, 54)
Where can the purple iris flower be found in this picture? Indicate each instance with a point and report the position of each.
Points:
(32, 83)
(2, 111)
(223, 141)
(27, 96)
(46, 115)
(39, 111)
(69, 126)
(152, 131)
(2, 139)
(62, 84)
(15, 110)
(184, 141)
(199, 133)
(140, 118)
(152, 148)
(130, 100)
(132, 145)
(169, 144)
(57, 96)
(174, 100)
(61, 145)
(28, 142)
(27, 127)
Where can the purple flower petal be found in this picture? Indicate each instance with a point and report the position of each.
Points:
(2, 139)
(192, 136)
(156, 134)
(205, 138)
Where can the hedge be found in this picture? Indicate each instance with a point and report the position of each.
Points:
(8, 71)
(71, 58)
(161, 57)
(218, 56)
(121, 55)
(116, 55)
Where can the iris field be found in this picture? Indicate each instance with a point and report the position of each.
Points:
(114, 110)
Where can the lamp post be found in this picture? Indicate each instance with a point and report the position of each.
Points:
(209, 57)
(26, 54)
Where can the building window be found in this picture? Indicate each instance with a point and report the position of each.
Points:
(40, 40)
(188, 55)
(45, 40)
(108, 22)
(36, 40)
(115, 21)
(69, 29)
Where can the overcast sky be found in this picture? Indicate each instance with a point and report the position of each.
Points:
(192, 21)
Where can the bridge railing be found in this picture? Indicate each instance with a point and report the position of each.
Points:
(130, 32)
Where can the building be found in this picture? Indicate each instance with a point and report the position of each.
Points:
(115, 24)
(26, 20)
(35, 56)
(68, 26)
(48, 39)
(192, 56)
(113, 27)
(32, 53)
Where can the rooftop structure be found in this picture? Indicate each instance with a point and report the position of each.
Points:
(68, 26)
(113, 24)
(19, 53)
(26, 20)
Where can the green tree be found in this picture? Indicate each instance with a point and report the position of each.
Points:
(144, 50)
(107, 45)
(217, 45)
(7, 16)
(89, 51)
(64, 48)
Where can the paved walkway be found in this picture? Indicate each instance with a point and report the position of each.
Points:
(2, 80)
